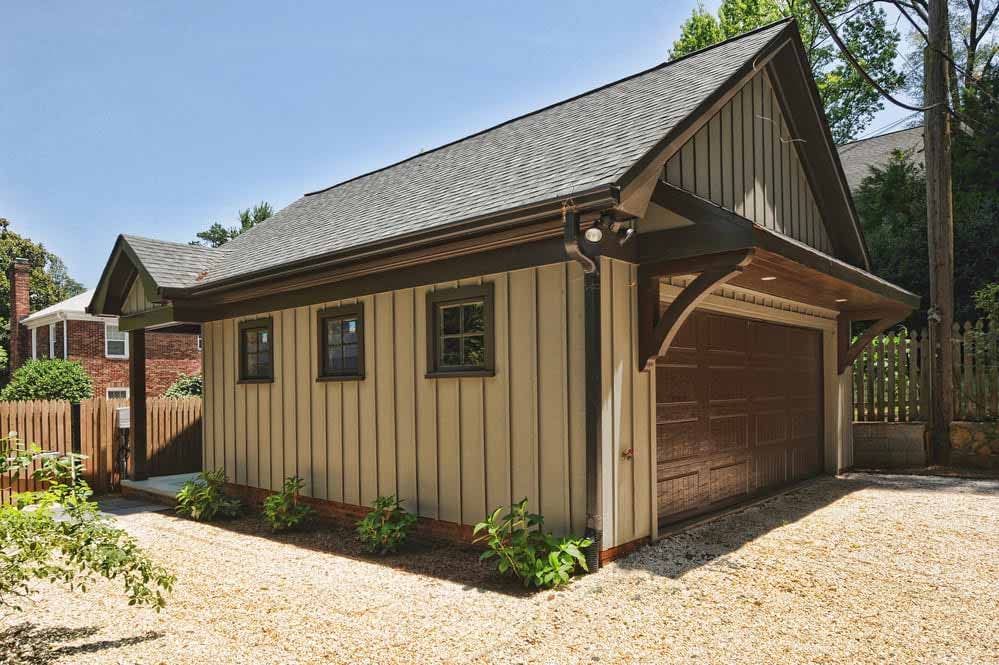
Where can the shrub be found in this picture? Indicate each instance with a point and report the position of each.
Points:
(282, 510)
(525, 551)
(203, 500)
(186, 385)
(49, 379)
(59, 535)
(386, 527)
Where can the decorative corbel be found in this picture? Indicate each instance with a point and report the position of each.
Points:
(847, 352)
(658, 332)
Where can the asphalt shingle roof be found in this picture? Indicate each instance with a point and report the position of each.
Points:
(858, 157)
(171, 264)
(567, 148)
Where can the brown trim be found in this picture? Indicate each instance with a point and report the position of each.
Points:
(470, 231)
(847, 351)
(342, 312)
(623, 550)
(138, 460)
(435, 299)
(256, 324)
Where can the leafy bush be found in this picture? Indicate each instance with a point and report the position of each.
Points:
(59, 535)
(49, 379)
(203, 500)
(186, 385)
(282, 510)
(525, 551)
(386, 527)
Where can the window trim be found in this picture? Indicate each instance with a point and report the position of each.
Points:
(344, 311)
(255, 324)
(124, 356)
(128, 392)
(435, 299)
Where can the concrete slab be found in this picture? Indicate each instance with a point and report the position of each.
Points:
(119, 506)
(161, 486)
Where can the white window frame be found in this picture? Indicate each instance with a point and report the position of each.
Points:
(34, 343)
(109, 355)
(51, 341)
(201, 343)
(107, 392)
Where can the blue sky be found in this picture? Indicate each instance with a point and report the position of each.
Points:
(156, 119)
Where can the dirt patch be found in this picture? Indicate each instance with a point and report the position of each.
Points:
(856, 569)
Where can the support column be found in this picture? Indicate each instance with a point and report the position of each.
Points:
(138, 468)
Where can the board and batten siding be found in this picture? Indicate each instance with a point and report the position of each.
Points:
(628, 417)
(136, 301)
(452, 448)
(745, 159)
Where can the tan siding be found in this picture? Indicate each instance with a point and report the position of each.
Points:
(747, 162)
(136, 300)
(628, 408)
(451, 448)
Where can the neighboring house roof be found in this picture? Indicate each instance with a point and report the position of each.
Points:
(562, 150)
(70, 309)
(858, 157)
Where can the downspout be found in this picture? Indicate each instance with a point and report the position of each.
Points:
(592, 368)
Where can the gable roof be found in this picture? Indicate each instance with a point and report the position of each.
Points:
(567, 149)
(858, 157)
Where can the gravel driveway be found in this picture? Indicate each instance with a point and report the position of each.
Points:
(860, 569)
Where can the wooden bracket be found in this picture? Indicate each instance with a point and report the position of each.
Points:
(883, 320)
(657, 335)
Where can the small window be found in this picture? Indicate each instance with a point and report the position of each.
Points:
(115, 342)
(341, 343)
(256, 346)
(116, 393)
(460, 331)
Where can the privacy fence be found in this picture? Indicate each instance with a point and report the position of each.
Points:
(91, 429)
(891, 378)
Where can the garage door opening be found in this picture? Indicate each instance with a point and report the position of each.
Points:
(739, 412)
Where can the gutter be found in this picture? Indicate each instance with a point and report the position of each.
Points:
(592, 374)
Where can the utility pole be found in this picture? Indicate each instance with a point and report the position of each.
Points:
(940, 230)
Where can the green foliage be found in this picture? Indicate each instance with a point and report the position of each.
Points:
(987, 301)
(186, 385)
(60, 535)
(850, 103)
(204, 500)
(48, 279)
(524, 550)
(386, 527)
(217, 235)
(49, 379)
(282, 510)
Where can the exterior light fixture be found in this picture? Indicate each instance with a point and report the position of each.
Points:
(840, 299)
(593, 234)
(767, 279)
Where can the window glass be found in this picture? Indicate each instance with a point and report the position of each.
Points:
(256, 353)
(462, 335)
(342, 348)
(115, 342)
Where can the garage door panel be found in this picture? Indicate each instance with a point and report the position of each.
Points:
(741, 414)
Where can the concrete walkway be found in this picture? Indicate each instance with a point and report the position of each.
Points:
(161, 486)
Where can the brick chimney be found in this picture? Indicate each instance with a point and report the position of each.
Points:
(20, 307)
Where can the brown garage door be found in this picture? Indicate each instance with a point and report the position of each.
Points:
(739, 411)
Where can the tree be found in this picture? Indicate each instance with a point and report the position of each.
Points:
(48, 279)
(61, 536)
(186, 385)
(217, 235)
(850, 103)
(48, 379)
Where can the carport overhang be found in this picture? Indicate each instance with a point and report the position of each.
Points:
(721, 247)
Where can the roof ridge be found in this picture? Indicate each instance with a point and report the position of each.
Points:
(661, 65)
(877, 136)
(129, 236)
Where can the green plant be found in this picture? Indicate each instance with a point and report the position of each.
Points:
(59, 534)
(386, 527)
(525, 551)
(203, 500)
(282, 510)
(186, 385)
(49, 379)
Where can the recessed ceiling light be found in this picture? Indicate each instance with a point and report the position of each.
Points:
(840, 299)
(767, 279)
(593, 234)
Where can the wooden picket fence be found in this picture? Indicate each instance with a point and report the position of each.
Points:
(173, 437)
(891, 378)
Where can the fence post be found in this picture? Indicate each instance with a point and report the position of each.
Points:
(74, 415)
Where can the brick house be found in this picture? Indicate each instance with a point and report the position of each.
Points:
(93, 341)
